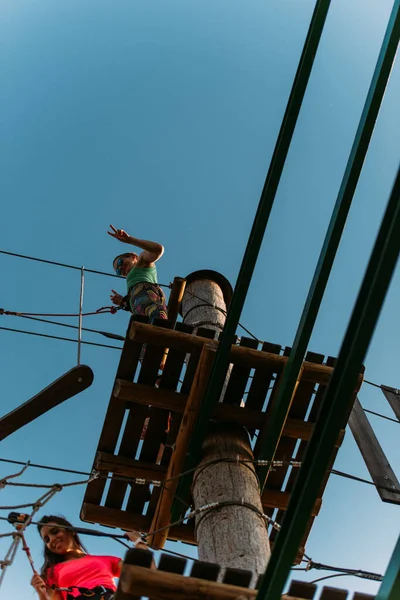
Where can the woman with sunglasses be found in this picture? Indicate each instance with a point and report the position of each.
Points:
(144, 295)
(68, 565)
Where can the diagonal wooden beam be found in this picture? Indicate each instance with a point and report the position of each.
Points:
(162, 515)
(71, 383)
(374, 457)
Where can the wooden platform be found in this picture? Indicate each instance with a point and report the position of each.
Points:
(140, 579)
(145, 414)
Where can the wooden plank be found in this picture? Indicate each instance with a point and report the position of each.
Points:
(240, 577)
(175, 298)
(168, 421)
(140, 557)
(262, 380)
(144, 394)
(68, 385)
(330, 593)
(330, 361)
(193, 359)
(308, 398)
(115, 411)
(128, 467)
(172, 564)
(134, 426)
(160, 585)
(302, 397)
(280, 499)
(244, 356)
(302, 589)
(174, 401)
(373, 455)
(205, 570)
(239, 376)
(192, 408)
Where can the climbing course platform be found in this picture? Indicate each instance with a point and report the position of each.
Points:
(140, 579)
(151, 417)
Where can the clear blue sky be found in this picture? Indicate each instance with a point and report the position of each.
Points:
(161, 117)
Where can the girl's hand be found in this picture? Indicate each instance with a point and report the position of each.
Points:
(116, 298)
(119, 234)
(38, 584)
(135, 537)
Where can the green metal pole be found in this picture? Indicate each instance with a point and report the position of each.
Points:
(343, 382)
(390, 587)
(221, 361)
(270, 438)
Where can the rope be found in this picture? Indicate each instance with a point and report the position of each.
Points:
(107, 334)
(4, 481)
(57, 337)
(127, 479)
(381, 416)
(344, 571)
(17, 536)
(54, 488)
(67, 266)
(207, 303)
(100, 311)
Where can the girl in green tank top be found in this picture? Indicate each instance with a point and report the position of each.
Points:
(144, 295)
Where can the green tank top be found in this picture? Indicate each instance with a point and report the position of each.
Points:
(141, 275)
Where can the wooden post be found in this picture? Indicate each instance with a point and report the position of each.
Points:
(175, 298)
(233, 534)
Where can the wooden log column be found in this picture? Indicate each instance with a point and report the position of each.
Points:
(233, 534)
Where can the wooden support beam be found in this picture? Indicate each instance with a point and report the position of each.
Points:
(247, 357)
(249, 417)
(373, 455)
(149, 395)
(192, 408)
(175, 298)
(280, 500)
(139, 581)
(111, 517)
(128, 467)
(160, 585)
(135, 468)
(71, 383)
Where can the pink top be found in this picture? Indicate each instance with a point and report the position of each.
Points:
(88, 572)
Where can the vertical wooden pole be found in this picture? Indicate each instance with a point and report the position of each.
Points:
(233, 534)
